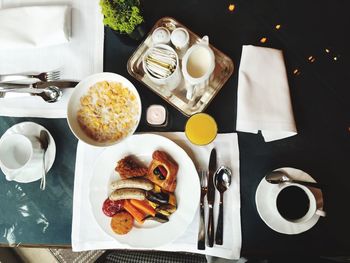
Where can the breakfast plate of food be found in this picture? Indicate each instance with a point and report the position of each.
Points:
(144, 191)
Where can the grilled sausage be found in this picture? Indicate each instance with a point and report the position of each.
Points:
(140, 183)
(128, 193)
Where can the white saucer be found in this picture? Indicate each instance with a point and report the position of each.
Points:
(32, 173)
(265, 196)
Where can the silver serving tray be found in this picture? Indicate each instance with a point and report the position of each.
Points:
(177, 97)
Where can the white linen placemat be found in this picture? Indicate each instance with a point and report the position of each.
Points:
(263, 98)
(87, 234)
(77, 59)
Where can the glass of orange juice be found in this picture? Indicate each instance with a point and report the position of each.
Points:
(201, 129)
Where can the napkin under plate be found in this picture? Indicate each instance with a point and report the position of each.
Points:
(87, 234)
(263, 99)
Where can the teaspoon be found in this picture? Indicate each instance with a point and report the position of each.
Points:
(279, 177)
(222, 180)
(44, 141)
(50, 94)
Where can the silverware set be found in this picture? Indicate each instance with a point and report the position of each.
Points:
(211, 180)
(48, 86)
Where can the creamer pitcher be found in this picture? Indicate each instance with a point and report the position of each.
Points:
(197, 66)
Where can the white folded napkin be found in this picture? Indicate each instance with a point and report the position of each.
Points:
(263, 99)
(34, 26)
(77, 59)
(87, 235)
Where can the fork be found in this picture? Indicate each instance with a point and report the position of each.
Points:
(203, 177)
(45, 76)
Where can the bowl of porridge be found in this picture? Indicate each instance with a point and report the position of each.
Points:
(104, 109)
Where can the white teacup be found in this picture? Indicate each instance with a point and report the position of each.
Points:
(18, 152)
(312, 205)
(197, 66)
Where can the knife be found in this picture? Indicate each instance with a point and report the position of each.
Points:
(58, 83)
(211, 196)
(41, 84)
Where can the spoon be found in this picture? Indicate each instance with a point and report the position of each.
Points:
(49, 94)
(279, 177)
(222, 180)
(44, 141)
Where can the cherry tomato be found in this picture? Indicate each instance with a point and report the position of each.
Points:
(110, 208)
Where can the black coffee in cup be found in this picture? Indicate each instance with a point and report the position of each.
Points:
(292, 203)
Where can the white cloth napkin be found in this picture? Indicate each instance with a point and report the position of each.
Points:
(263, 99)
(34, 26)
(87, 235)
(77, 59)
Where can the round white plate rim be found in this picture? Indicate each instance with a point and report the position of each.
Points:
(81, 89)
(180, 219)
(50, 154)
(280, 224)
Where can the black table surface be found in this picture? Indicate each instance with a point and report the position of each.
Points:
(312, 36)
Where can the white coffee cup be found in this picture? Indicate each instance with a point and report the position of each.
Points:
(18, 152)
(312, 210)
(197, 66)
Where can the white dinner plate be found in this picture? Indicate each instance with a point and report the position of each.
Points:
(265, 203)
(33, 172)
(150, 234)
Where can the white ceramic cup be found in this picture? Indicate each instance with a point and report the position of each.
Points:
(313, 209)
(171, 82)
(18, 152)
(180, 40)
(161, 35)
(197, 66)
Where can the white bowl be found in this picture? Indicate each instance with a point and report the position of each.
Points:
(74, 104)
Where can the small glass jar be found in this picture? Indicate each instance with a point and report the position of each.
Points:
(157, 115)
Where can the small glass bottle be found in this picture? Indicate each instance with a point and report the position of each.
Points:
(157, 115)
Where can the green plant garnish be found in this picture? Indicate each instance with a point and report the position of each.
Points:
(121, 15)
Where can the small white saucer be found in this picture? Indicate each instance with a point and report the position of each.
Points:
(265, 198)
(32, 173)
